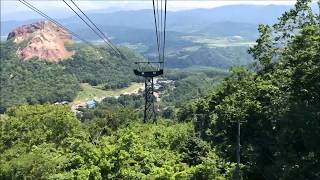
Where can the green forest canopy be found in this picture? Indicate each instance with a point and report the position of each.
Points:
(278, 102)
(55, 145)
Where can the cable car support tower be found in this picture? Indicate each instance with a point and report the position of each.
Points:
(151, 69)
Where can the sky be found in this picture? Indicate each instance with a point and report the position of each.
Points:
(10, 6)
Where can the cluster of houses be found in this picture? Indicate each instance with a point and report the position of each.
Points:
(159, 86)
(88, 104)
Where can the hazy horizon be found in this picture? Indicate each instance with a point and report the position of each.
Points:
(10, 10)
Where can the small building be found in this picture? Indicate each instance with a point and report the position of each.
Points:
(91, 104)
(62, 103)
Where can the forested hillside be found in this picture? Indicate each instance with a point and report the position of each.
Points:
(102, 66)
(36, 81)
(278, 105)
(276, 99)
(190, 83)
(33, 81)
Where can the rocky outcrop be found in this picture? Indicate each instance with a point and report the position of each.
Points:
(43, 39)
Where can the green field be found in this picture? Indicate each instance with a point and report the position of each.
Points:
(140, 47)
(89, 92)
(212, 42)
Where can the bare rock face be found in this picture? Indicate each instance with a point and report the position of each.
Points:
(44, 40)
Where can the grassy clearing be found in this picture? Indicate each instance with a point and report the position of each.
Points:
(89, 92)
(192, 48)
(212, 42)
(140, 47)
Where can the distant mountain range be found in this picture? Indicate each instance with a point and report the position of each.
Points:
(135, 29)
(187, 21)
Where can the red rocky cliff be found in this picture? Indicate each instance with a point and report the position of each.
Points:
(43, 39)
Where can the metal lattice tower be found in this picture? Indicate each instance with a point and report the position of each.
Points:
(154, 69)
(149, 111)
(149, 74)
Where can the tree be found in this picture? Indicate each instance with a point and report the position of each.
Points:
(43, 141)
(278, 104)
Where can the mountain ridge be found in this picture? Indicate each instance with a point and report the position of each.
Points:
(177, 20)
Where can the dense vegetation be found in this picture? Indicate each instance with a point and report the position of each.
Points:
(190, 84)
(32, 81)
(278, 104)
(277, 101)
(35, 81)
(48, 142)
(102, 66)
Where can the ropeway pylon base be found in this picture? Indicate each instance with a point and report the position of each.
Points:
(149, 110)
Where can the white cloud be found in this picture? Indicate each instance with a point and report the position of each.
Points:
(8, 7)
